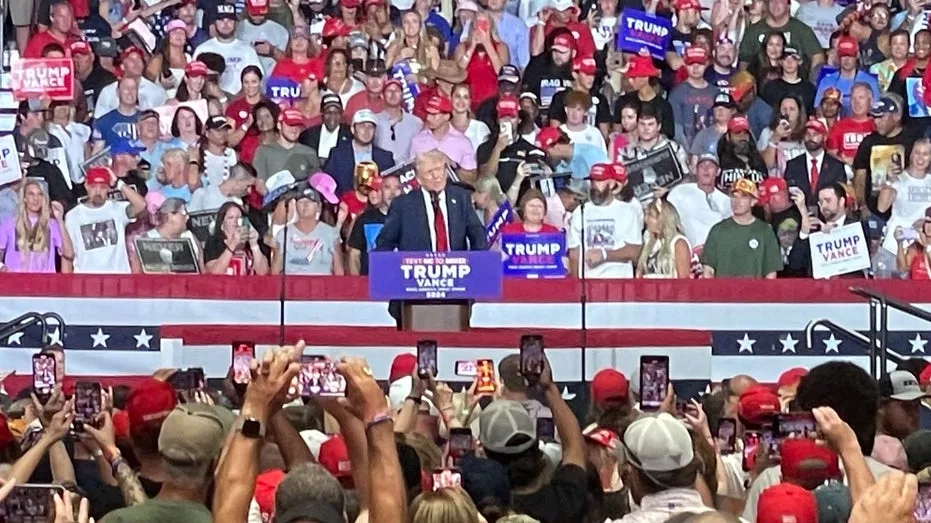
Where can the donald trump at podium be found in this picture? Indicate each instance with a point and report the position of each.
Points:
(434, 217)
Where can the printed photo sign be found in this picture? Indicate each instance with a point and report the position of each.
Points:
(660, 168)
(167, 256)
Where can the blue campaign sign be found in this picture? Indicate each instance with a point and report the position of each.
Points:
(534, 255)
(282, 90)
(639, 30)
(501, 218)
(403, 72)
(474, 275)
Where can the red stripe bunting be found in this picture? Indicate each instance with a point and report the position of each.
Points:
(348, 288)
(325, 336)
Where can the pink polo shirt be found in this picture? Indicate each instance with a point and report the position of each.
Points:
(454, 144)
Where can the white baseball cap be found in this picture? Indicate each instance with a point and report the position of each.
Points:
(364, 116)
(658, 443)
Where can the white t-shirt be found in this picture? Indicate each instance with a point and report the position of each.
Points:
(151, 95)
(209, 198)
(477, 133)
(912, 197)
(822, 20)
(269, 31)
(610, 226)
(699, 211)
(238, 54)
(327, 141)
(217, 167)
(590, 135)
(99, 238)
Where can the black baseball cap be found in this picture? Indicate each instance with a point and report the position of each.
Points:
(217, 122)
(330, 99)
(225, 10)
(724, 100)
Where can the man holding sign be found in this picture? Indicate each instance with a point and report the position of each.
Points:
(832, 245)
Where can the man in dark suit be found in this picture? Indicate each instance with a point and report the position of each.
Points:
(343, 158)
(832, 214)
(331, 132)
(814, 170)
(434, 217)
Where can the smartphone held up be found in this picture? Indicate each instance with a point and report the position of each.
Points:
(319, 377)
(43, 376)
(532, 357)
(654, 381)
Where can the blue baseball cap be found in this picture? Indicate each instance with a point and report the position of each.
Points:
(126, 146)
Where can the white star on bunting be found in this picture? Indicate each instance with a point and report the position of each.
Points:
(918, 344)
(15, 339)
(142, 339)
(832, 344)
(100, 339)
(54, 337)
(746, 344)
(788, 343)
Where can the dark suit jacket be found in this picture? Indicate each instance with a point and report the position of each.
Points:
(798, 170)
(311, 136)
(406, 227)
(341, 164)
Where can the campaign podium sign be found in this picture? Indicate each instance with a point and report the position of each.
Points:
(534, 255)
(466, 275)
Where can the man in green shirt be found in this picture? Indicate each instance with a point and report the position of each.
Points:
(285, 154)
(741, 246)
(189, 445)
(798, 35)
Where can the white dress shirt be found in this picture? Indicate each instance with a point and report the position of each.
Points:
(819, 161)
(428, 204)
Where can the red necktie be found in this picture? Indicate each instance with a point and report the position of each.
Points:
(813, 177)
(439, 225)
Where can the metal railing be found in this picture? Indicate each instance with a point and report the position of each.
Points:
(879, 323)
(869, 344)
(29, 319)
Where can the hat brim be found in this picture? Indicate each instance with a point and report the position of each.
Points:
(909, 396)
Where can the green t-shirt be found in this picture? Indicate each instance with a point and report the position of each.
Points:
(798, 35)
(300, 160)
(161, 510)
(735, 250)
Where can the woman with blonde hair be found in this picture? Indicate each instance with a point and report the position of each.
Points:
(463, 119)
(666, 252)
(31, 238)
(445, 505)
(412, 43)
(488, 197)
(482, 55)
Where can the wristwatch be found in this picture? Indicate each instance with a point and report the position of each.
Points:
(250, 428)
